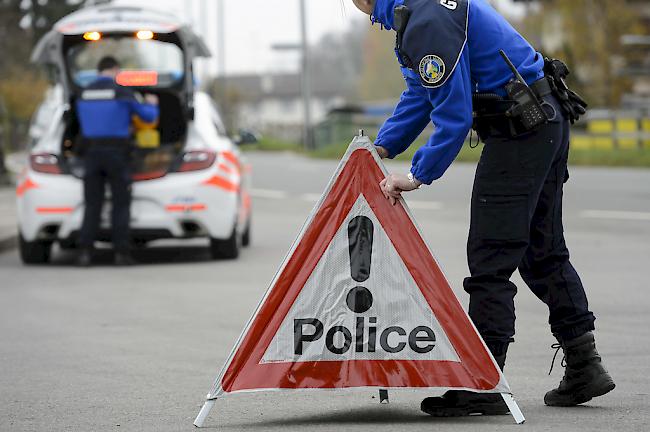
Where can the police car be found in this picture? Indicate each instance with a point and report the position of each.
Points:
(189, 178)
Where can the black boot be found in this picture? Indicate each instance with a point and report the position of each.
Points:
(85, 258)
(124, 259)
(585, 376)
(459, 403)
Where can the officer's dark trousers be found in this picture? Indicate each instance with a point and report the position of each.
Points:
(107, 163)
(516, 223)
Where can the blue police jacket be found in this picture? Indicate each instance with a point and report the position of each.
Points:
(105, 109)
(450, 49)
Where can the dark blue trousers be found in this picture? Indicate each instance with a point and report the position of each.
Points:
(516, 223)
(107, 163)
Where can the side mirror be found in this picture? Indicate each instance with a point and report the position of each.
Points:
(245, 137)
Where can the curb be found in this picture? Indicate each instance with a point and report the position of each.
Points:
(8, 243)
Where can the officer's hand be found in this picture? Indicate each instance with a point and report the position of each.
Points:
(383, 153)
(393, 186)
(151, 99)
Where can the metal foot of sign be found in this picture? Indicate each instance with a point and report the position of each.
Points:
(513, 407)
(359, 302)
(203, 414)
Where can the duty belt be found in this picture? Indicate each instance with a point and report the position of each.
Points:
(489, 111)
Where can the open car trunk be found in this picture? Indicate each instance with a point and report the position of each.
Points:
(146, 163)
(145, 42)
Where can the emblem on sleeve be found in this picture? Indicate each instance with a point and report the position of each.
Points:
(432, 69)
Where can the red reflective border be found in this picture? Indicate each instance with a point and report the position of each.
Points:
(361, 175)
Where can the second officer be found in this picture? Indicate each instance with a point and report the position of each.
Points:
(105, 110)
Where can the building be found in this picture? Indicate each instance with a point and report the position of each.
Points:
(273, 103)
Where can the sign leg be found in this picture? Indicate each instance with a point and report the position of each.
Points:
(203, 414)
(513, 407)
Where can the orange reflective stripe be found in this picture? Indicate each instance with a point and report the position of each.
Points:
(222, 183)
(185, 208)
(230, 157)
(25, 186)
(225, 168)
(54, 210)
(246, 200)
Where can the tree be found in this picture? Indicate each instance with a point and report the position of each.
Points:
(587, 35)
(380, 78)
(340, 52)
(22, 24)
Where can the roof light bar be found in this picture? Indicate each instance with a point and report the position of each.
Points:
(144, 35)
(92, 36)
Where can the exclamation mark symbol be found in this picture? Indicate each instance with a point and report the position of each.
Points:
(360, 232)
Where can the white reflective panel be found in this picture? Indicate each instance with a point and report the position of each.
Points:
(396, 302)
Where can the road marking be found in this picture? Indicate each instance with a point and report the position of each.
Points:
(310, 197)
(425, 205)
(267, 193)
(314, 197)
(613, 214)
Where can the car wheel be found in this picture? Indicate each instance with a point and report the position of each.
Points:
(226, 248)
(36, 252)
(246, 236)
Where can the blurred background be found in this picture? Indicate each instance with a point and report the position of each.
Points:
(274, 66)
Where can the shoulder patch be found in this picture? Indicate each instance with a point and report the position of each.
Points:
(432, 69)
(434, 39)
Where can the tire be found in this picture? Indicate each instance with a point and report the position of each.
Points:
(226, 248)
(246, 236)
(36, 252)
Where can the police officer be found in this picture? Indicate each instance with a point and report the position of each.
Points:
(456, 77)
(104, 111)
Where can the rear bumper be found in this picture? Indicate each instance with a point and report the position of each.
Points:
(180, 205)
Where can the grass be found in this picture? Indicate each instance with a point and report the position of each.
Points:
(587, 157)
(271, 144)
(615, 157)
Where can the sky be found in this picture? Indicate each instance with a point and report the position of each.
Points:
(253, 26)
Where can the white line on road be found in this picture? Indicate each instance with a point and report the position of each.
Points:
(267, 193)
(313, 197)
(310, 197)
(425, 205)
(613, 214)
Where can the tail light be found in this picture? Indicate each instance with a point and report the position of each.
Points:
(45, 163)
(197, 160)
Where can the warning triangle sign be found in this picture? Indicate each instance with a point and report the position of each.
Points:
(359, 301)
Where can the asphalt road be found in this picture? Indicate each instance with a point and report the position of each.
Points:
(108, 349)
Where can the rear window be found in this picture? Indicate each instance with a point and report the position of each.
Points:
(151, 63)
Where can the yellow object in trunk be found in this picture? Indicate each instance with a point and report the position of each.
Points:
(146, 134)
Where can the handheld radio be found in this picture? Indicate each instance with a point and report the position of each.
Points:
(527, 108)
(401, 18)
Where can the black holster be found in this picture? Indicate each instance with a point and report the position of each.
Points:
(489, 115)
